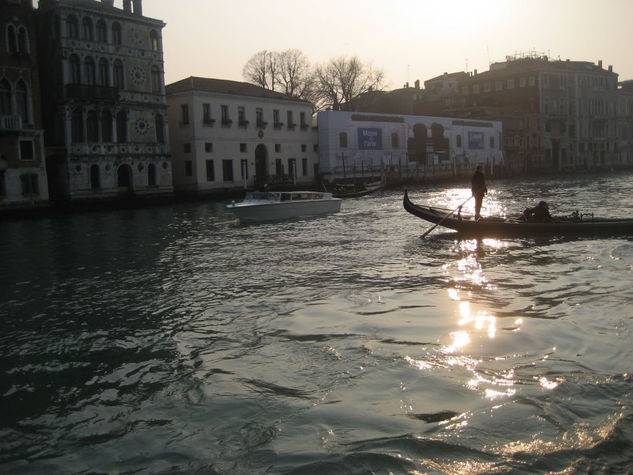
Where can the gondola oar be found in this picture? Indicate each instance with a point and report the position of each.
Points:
(442, 220)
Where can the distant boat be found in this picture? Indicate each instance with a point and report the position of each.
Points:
(278, 205)
(577, 225)
(355, 191)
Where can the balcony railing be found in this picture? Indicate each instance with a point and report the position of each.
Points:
(96, 93)
(10, 122)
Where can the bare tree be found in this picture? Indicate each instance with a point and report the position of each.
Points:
(294, 72)
(261, 69)
(342, 79)
(288, 72)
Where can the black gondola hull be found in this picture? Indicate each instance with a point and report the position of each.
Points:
(499, 227)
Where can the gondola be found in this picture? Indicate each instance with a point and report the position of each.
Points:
(575, 225)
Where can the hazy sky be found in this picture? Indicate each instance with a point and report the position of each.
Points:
(407, 39)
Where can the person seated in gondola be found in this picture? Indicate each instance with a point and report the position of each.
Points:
(540, 213)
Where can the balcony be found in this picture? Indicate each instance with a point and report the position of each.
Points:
(291, 126)
(243, 123)
(10, 122)
(92, 93)
(278, 125)
(226, 122)
(304, 126)
(208, 121)
(261, 124)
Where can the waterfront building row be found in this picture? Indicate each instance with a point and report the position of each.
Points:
(557, 115)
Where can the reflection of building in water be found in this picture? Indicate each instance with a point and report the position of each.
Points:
(103, 100)
(22, 166)
(367, 145)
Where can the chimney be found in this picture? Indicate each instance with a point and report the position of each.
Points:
(600, 64)
(108, 3)
(475, 72)
(417, 84)
(127, 6)
(138, 7)
(610, 68)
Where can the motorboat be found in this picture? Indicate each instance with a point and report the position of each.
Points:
(261, 206)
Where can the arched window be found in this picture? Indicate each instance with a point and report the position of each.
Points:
(92, 126)
(95, 178)
(72, 27)
(89, 71)
(116, 33)
(121, 127)
(102, 32)
(77, 126)
(154, 40)
(151, 175)
(22, 101)
(75, 74)
(12, 40)
(106, 126)
(160, 129)
(156, 80)
(23, 40)
(117, 73)
(104, 76)
(5, 97)
(342, 139)
(87, 29)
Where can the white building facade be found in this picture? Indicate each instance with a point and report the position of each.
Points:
(368, 145)
(228, 135)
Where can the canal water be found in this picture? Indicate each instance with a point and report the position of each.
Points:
(172, 339)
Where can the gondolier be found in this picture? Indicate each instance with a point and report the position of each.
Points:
(576, 224)
(478, 188)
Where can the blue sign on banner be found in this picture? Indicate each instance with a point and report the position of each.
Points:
(370, 139)
(476, 140)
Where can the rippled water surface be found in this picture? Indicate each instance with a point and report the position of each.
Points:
(173, 339)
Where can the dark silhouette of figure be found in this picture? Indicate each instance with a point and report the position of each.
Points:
(539, 213)
(478, 188)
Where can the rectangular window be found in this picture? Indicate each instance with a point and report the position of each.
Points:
(206, 114)
(290, 120)
(276, 122)
(303, 147)
(259, 117)
(30, 184)
(186, 147)
(226, 121)
(244, 169)
(227, 170)
(292, 168)
(26, 150)
(302, 120)
(188, 168)
(279, 167)
(241, 117)
(208, 147)
(210, 171)
(243, 147)
(304, 166)
(278, 148)
(184, 114)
